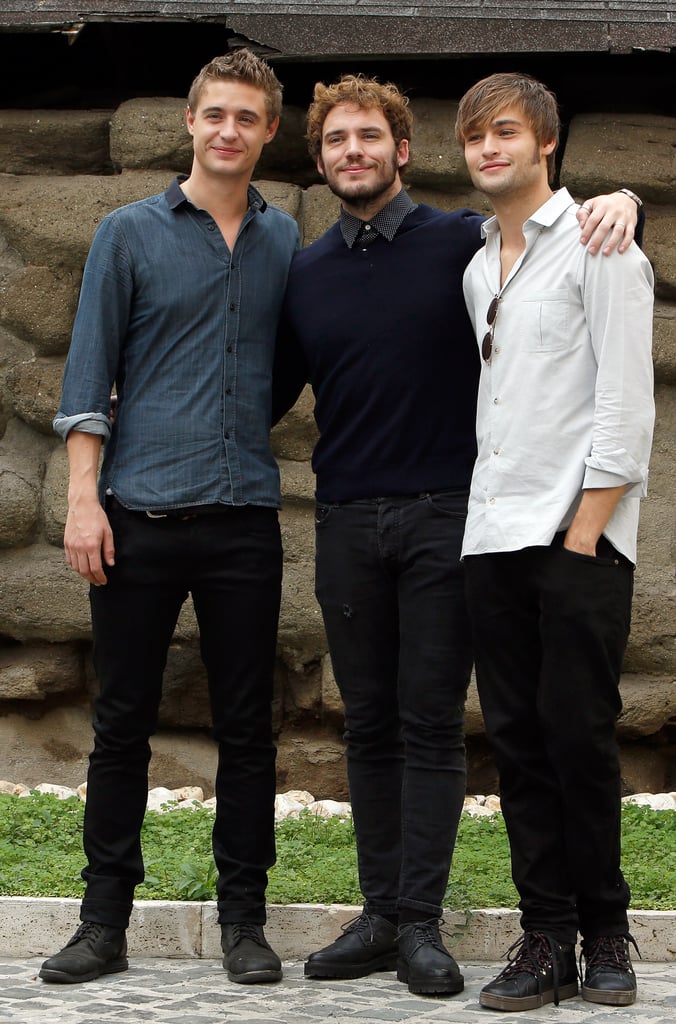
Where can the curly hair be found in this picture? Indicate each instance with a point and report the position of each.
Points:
(366, 93)
(240, 65)
(481, 104)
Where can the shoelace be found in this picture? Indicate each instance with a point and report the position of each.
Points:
(534, 953)
(429, 931)
(87, 930)
(609, 951)
(247, 930)
(361, 923)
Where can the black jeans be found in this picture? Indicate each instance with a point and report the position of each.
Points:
(550, 628)
(231, 563)
(390, 585)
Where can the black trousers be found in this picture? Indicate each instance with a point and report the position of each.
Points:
(231, 563)
(390, 585)
(550, 629)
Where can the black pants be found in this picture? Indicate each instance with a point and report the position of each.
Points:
(550, 628)
(390, 585)
(231, 563)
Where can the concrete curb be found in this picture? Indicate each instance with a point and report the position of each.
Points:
(162, 928)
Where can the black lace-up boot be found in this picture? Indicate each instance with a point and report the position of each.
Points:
(95, 949)
(609, 977)
(424, 962)
(247, 956)
(539, 970)
(368, 944)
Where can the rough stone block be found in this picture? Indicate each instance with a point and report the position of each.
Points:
(648, 705)
(437, 159)
(279, 193)
(33, 673)
(23, 455)
(151, 133)
(40, 307)
(317, 756)
(664, 343)
(55, 142)
(660, 230)
(287, 155)
(55, 495)
(34, 390)
(41, 597)
(295, 435)
(636, 150)
(320, 210)
(51, 221)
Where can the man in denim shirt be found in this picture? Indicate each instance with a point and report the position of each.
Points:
(179, 306)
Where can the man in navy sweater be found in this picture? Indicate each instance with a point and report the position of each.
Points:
(375, 318)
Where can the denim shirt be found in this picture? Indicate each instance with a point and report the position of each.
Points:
(186, 330)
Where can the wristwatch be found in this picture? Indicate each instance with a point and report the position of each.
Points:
(632, 195)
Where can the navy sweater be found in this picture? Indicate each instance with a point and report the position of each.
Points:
(383, 336)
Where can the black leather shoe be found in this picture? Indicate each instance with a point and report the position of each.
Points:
(609, 977)
(541, 971)
(425, 963)
(95, 949)
(369, 944)
(247, 957)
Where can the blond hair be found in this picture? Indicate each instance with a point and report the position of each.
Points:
(241, 65)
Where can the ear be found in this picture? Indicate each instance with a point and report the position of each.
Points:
(402, 153)
(548, 147)
(272, 130)
(320, 167)
(189, 120)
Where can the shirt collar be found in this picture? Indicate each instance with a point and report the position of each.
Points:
(386, 222)
(544, 217)
(176, 196)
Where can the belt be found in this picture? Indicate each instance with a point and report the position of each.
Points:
(190, 512)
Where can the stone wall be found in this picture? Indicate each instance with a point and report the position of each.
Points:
(62, 171)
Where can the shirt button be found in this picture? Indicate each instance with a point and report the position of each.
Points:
(212, 227)
(232, 307)
(228, 391)
(496, 401)
(229, 348)
(226, 435)
(496, 349)
(496, 451)
(491, 501)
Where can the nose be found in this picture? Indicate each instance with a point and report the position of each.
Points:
(227, 128)
(354, 148)
(490, 143)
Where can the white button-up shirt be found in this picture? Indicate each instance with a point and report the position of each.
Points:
(566, 401)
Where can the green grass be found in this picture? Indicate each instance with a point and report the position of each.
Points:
(41, 855)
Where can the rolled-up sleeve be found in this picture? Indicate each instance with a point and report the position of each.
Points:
(100, 326)
(618, 303)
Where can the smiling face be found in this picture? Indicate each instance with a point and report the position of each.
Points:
(229, 129)
(359, 158)
(504, 157)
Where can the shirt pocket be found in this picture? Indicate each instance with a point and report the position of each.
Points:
(545, 321)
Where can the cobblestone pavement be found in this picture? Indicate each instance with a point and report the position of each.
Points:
(162, 991)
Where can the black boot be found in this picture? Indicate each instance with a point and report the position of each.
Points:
(609, 977)
(541, 971)
(95, 949)
(247, 956)
(368, 944)
(425, 963)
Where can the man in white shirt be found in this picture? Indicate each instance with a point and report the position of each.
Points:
(564, 427)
